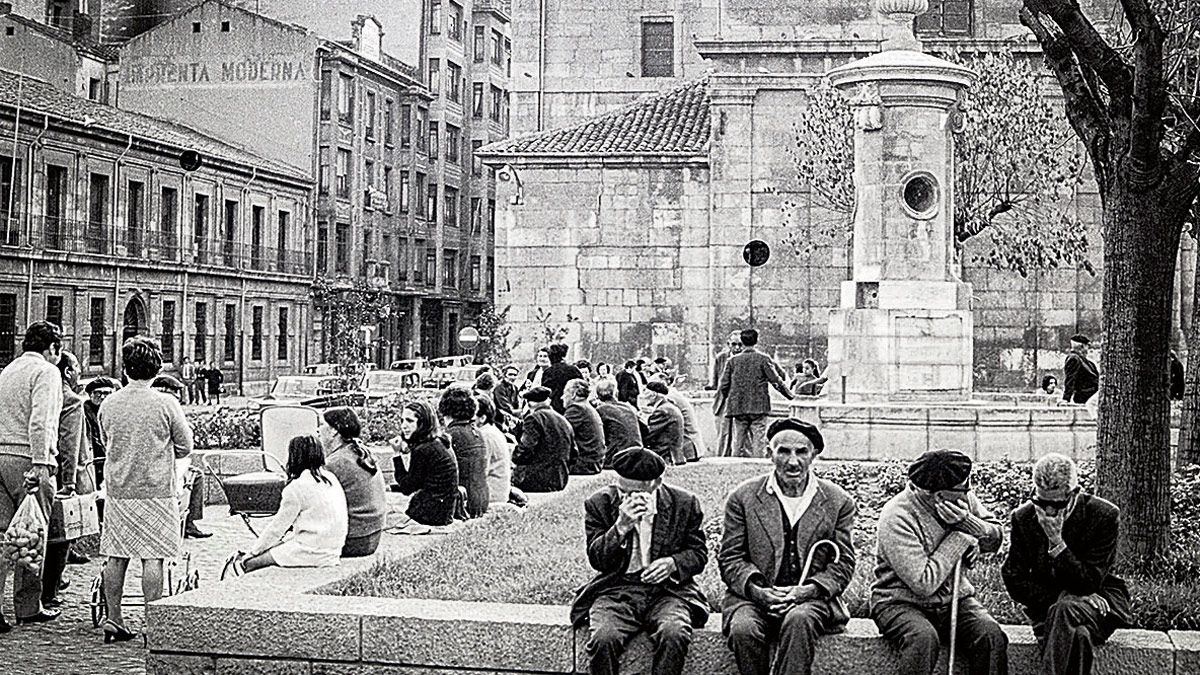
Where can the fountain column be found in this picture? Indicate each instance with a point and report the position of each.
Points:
(904, 329)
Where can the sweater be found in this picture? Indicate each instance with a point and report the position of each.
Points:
(472, 456)
(30, 405)
(315, 512)
(916, 553)
(366, 503)
(144, 431)
(431, 477)
(499, 466)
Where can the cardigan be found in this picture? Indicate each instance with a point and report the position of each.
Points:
(30, 404)
(366, 503)
(315, 512)
(472, 456)
(432, 479)
(145, 431)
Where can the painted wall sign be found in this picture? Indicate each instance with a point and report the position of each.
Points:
(245, 71)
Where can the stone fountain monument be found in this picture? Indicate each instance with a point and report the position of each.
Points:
(904, 329)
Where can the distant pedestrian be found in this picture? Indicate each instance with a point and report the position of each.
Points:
(97, 390)
(724, 424)
(746, 396)
(1081, 374)
(215, 379)
(619, 420)
(628, 387)
(199, 384)
(1176, 377)
(187, 373)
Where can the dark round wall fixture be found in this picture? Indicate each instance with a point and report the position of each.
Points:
(190, 160)
(921, 195)
(756, 253)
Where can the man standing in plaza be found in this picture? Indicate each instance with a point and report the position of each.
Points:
(187, 372)
(30, 405)
(620, 420)
(97, 390)
(923, 533)
(1060, 567)
(772, 524)
(1081, 377)
(745, 395)
(664, 423)
(628, 388)
(544, 453)
(724, 424)
(587, 428)
(70, 441)
(646, 542)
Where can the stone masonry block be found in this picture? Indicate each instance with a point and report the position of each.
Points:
(180, 664)
(233, 666)
(1187, 651)
(239, 632)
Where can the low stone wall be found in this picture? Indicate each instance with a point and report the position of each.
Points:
(226, 463)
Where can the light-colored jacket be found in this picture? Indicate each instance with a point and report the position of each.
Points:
(145, 431)
(30, 404)
(499, 467)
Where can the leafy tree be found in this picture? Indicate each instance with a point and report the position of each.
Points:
(494, 330)
(347, 306)
(1017, 166)
(1130, 93)
(549, 331)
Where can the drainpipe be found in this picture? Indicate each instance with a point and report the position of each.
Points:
(12, 184)
(242, 342)
(541, 73)
(117, 189)
(29, 191)
(116, 302)
(117, 166)
(183, 348)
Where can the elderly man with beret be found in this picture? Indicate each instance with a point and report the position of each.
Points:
(923, 534)
(1060, 567)
(546, 446)
(1081, 377)
(646, 541)
(772, 525)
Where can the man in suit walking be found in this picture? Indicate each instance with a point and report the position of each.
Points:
(646, 542)
(771, 524)
(1059, 567)
(1080, 374)
(747, 400)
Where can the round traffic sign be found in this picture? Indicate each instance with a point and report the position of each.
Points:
(468, 336)
(756, 253)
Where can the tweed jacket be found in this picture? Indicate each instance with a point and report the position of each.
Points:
(621, 428)
(664, 431)
(678, 533)
(588, 429)
(1035, 580)
(743, 389)
(752, 544)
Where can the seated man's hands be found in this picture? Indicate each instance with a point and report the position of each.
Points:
(633, 508)
(799, 594)
(659, 571)
(771, 599)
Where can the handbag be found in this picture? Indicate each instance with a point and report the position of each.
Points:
(73, 517)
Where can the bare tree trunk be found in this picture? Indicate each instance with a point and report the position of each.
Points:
(1133, 462)
(1189, 431)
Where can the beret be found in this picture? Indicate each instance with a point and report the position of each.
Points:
(637, 463)
(537, 394)
(167, 382)
(793, 424)
(101, 382)
(939, 469)
(657, 386)
(1081, 338)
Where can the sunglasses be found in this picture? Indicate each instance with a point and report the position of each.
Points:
(1055, 503)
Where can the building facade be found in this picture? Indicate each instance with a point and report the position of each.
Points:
(105, 233)
(63, 53)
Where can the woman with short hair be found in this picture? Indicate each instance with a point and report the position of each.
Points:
(145, 432)
(499, 452)
(457, 408)
(431, 474)
(313, 508)
(347, 458)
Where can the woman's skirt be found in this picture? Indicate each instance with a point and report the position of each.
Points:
(141, 529)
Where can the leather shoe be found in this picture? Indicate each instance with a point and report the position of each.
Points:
(5, 626)
(64, 584)
(196, 533)
(41, 617)
(52, 603)
(74, 558)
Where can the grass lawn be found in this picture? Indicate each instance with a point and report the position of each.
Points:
(538, 557)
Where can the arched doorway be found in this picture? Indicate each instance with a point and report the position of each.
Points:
(135, 319)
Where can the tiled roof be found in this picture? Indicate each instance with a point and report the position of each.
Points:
(39, 97)
(675, 122)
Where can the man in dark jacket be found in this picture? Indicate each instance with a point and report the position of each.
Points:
(664, 423)
(507, 396)
(772, 524)
(620, 420)
(1059, 567)
(627, 384)
(587, 427)
(556, 377)
(745, 398)
(545, 450)
(646, 541)
(724, 424)
(1081, 376)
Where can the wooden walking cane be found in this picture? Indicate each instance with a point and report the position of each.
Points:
(954, 616)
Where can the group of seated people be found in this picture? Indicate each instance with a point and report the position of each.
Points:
(787, 555)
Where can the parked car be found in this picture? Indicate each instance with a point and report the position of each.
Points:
(410, 364)
(314, 391)
(381, 383)
(444, 376)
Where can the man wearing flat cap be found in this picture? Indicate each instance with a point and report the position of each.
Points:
(664, 422)
(546, 446)
(923, 532)
(1060, 567)
(1081, 377)
(646, 541)
(773, 524)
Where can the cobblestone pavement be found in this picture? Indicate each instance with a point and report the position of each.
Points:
(71, 646)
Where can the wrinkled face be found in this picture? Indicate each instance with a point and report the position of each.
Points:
(955, 495)
(327, 434)
(543, 359)
(1053, 501)
(628, 486)
(510, 375)
(793, 454)
(99, 394)
(408, 424)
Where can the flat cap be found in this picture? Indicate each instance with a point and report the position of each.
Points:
(939, 469)
(638, 463)
(1081, 338)
(794, 424)
(102, 382)
(537, 394)
(167, 382)
(657, 386)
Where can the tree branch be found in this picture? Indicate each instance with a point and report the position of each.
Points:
(1149, 95)
(1087, 43)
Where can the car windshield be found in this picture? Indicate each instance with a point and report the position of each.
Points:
(300, 387)
(388, 380)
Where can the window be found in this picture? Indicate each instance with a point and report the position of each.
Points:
(497, 47)
(96, 338)
(95, 234)
(434, 146)
(422, 118)
(435, 17)
(370, 114)
(453, 136)
(476, 281)
(497, 102)
(257, 213)
(476, 162)
(454, 73)
(230, 239)
(134, 224)
(404, 187)
(431, 207)
(168, 203)
(230, 346)
(477, 100)
(454, 22)
(56, 14)
(435, 77)
(168, 331)
(430, 267)
(200, 228)
(342, 261)
(450, 203)
(946, 18)
(56, 207)
(95, 89)
(658, 48)
(507, 57)
(281, 240)
(224, 26)
(389, 120)
(343, 173)
(419, 195)
(256, 337)
(345, 99)
(10, 194)
(54, 310)
(323, 170)
(405, 126)
(368, 178)
(322, 248)
(368, 246)
(402, 261)
(418, 270)
(8, 326)
(491, 216)
(326, 93)
(476, 215)
(491, 273)
(480, 51)
(195, 26)
(449, 269)
(281, 335)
